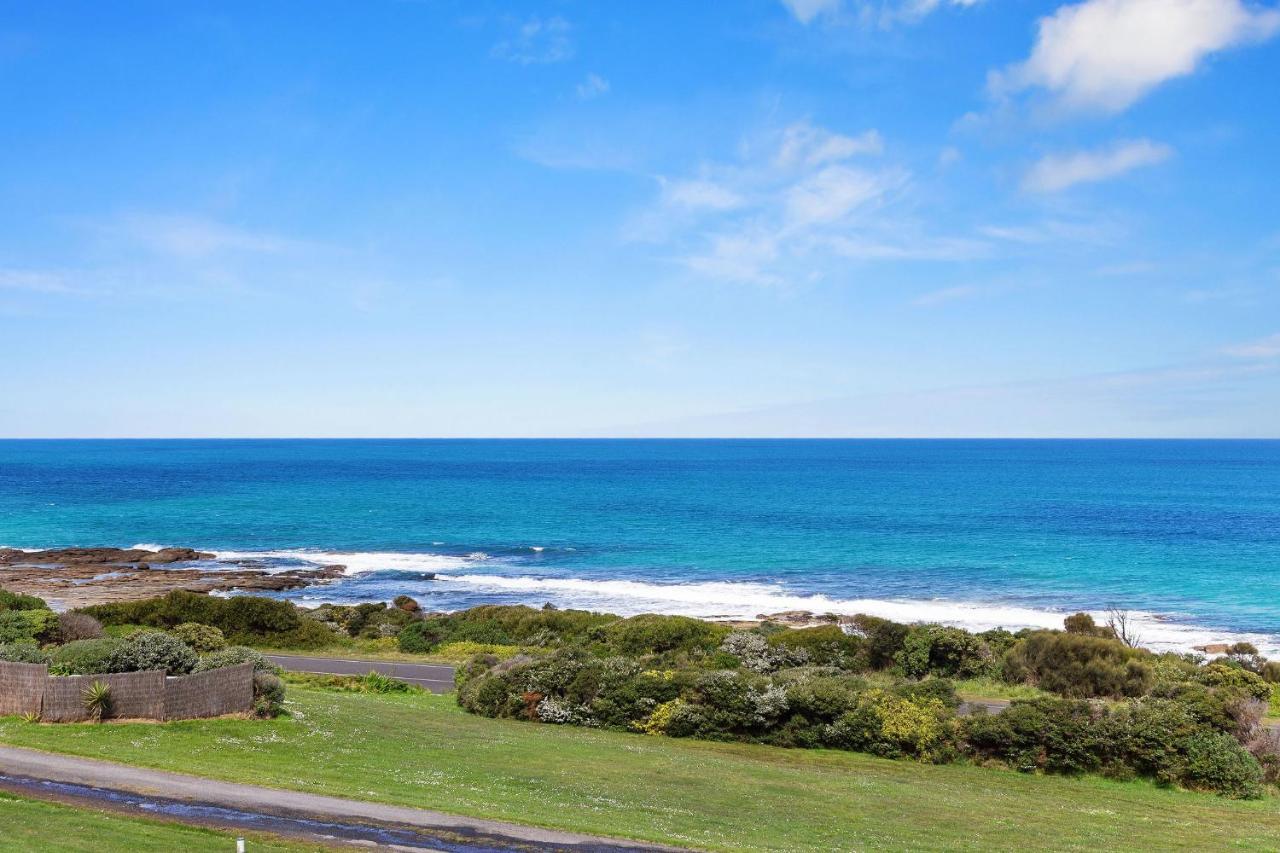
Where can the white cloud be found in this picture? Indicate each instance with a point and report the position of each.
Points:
(883, 13)
(802, 201)
(806, 10)
(33, 281)
(804, 144)
(593, 87)
(1057, 172)
(944, 295)
(700, 194)
(1264, 348)
(536, 41)
(195, 237)
(1106, 54)
(832, 193)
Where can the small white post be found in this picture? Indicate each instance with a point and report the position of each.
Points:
(239, 845)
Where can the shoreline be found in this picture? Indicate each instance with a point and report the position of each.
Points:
(69, 578)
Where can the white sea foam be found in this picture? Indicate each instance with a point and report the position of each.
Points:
(738, 600)
(360, 562)
(733, 600)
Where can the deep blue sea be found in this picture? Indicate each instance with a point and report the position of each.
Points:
(978, 533)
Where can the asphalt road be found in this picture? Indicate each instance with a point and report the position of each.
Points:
(87, 781)
(438, 678)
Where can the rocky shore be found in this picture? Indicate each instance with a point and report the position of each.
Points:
(79, 577)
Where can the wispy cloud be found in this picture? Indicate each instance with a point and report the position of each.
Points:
(1104, 55)
(536, 41)
(1262, 349)
(34, 281)
(801, 201)
(1057, 172)
(944, 295)
(194, 237)
(592, 87)
(875, 13)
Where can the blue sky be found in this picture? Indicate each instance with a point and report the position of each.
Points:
(811, 217)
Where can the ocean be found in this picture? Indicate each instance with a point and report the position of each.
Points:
(978, 533)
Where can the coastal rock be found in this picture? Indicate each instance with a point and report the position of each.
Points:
(78, 577)
(1213, 648)
(799, 618)
(99, 556)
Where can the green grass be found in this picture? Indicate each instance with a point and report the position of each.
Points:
(422, 750)
(27, 825)
(991, 688)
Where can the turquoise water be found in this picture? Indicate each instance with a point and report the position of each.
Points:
(971, 532)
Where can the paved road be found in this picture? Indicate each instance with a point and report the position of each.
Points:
(437, 678)
(104, 777)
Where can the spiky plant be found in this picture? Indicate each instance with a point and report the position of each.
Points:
(97, 700)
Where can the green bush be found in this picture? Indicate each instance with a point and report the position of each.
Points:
(884, 639)
(23, 651)
(942, 651)
(242, 618)
(85, 657)
(236, 655)
(202, 638)
(1079, 665)
(17, 601)
(653, 634)
(422, 637)
(825, 645)
(1216, 762)
(19, 625)
(1224, 674)
(268, 695)
(152, 650)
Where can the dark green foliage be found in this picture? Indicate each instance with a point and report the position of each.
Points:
(653, 634)
(1216, 762)
(151, 650)
(422, 637)
(1053, 735)
(243, 619)
(23, 651)
(884, 639)
(942, 651)
(1079, 665)
(826, 645)
(85, 657)
(1082, 623)
(17, 601)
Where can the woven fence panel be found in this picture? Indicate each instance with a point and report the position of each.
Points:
(21, 687)
(134, 695)
(228, 690)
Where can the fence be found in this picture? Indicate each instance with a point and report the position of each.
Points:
(27, 688)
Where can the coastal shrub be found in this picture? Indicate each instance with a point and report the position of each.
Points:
(824, 645)
(151, 650)
(17, 601)
(23, 651)
(202, 638)
(422, 637)
(74, 626)
(1078, 665)
(1223, 674)
(1049, 734)
(1216, 762)
(884, 639)
(893, 726)
(758, 654)
(268, 695)
(942, 651)
(85, 657)
(242, 618)
(234, 655)
(19, 625)
(654, 634)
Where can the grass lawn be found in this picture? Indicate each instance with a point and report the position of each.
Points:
(422, 750)
(27, 825)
